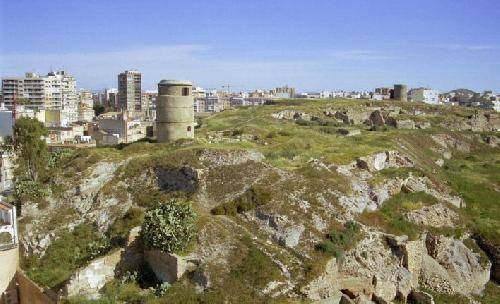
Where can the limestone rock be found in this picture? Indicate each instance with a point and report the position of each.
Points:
(345, 300)
(478, 122)
(349, 132)
(452, 267)
(379, 161)
(168, 267)
(424, 184)
(89, 280)
(492, 141)
(325, 285)
(292, 114)
(493, 252)
(376, 118)
(400, 123)
(216, 158)
(384, 290)
(436, 215)
(446, 141)
(423, 125)
(405, 124)
(352, 116)
(421, 297)
(290, 236)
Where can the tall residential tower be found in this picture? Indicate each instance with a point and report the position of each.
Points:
(129, 91)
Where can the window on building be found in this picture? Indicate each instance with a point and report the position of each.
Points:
(189, 128)
(185, 91)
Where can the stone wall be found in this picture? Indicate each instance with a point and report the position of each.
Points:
(9, 262)
(166, 266)
(89, 280)
(30, 293)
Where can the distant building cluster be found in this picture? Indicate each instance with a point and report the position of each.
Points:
(80, 118)
(467, 98)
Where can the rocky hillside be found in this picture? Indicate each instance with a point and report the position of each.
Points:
(300, 201)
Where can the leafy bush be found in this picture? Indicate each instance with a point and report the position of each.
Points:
(169, 226)
(339, 241)
(162, 289)
(98, 248)
(251, 199)
(30, 190)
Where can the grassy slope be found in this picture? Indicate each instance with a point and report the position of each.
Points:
(289, 146)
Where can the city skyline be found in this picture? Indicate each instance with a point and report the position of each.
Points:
(355, 45)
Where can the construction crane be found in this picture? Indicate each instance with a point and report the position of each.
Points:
(228, 87)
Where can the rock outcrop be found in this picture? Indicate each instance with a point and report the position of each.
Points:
(436, 215)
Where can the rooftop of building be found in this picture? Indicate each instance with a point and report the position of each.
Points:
(175, 82)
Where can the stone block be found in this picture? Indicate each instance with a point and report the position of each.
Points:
(168, 267)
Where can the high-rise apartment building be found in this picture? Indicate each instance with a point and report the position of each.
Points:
(55, 91)
(12, 87)
(129, 91)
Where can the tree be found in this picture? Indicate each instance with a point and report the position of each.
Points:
(99, 109)
(169, 226)
(30, 148)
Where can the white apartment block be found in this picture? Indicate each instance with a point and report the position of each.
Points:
(55, 91)
(424, 95)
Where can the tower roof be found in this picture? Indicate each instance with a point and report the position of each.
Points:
(175, 82)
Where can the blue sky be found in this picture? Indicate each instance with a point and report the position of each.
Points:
(313, 45)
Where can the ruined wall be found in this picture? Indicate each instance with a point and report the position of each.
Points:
(9, 262)
(167, 267)
(30, 293)
(89, 280)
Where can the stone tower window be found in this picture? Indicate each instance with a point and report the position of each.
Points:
(185, 91)
(189, 128)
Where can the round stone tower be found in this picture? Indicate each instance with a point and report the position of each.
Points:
(400, 92)
(174, 111)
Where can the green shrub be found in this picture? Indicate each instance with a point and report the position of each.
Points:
(341, 240)
(169, 226)
(65, 254)
(30, 190)
(251, 199)
(118, 232)
(391, 216)
(250, 270)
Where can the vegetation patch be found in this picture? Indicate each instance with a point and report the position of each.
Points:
(252, 198)
(170, 226)
(340, 240)
(66, 254)
(477, 181)
(119, 231)
(391, 216)
(256, 269)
